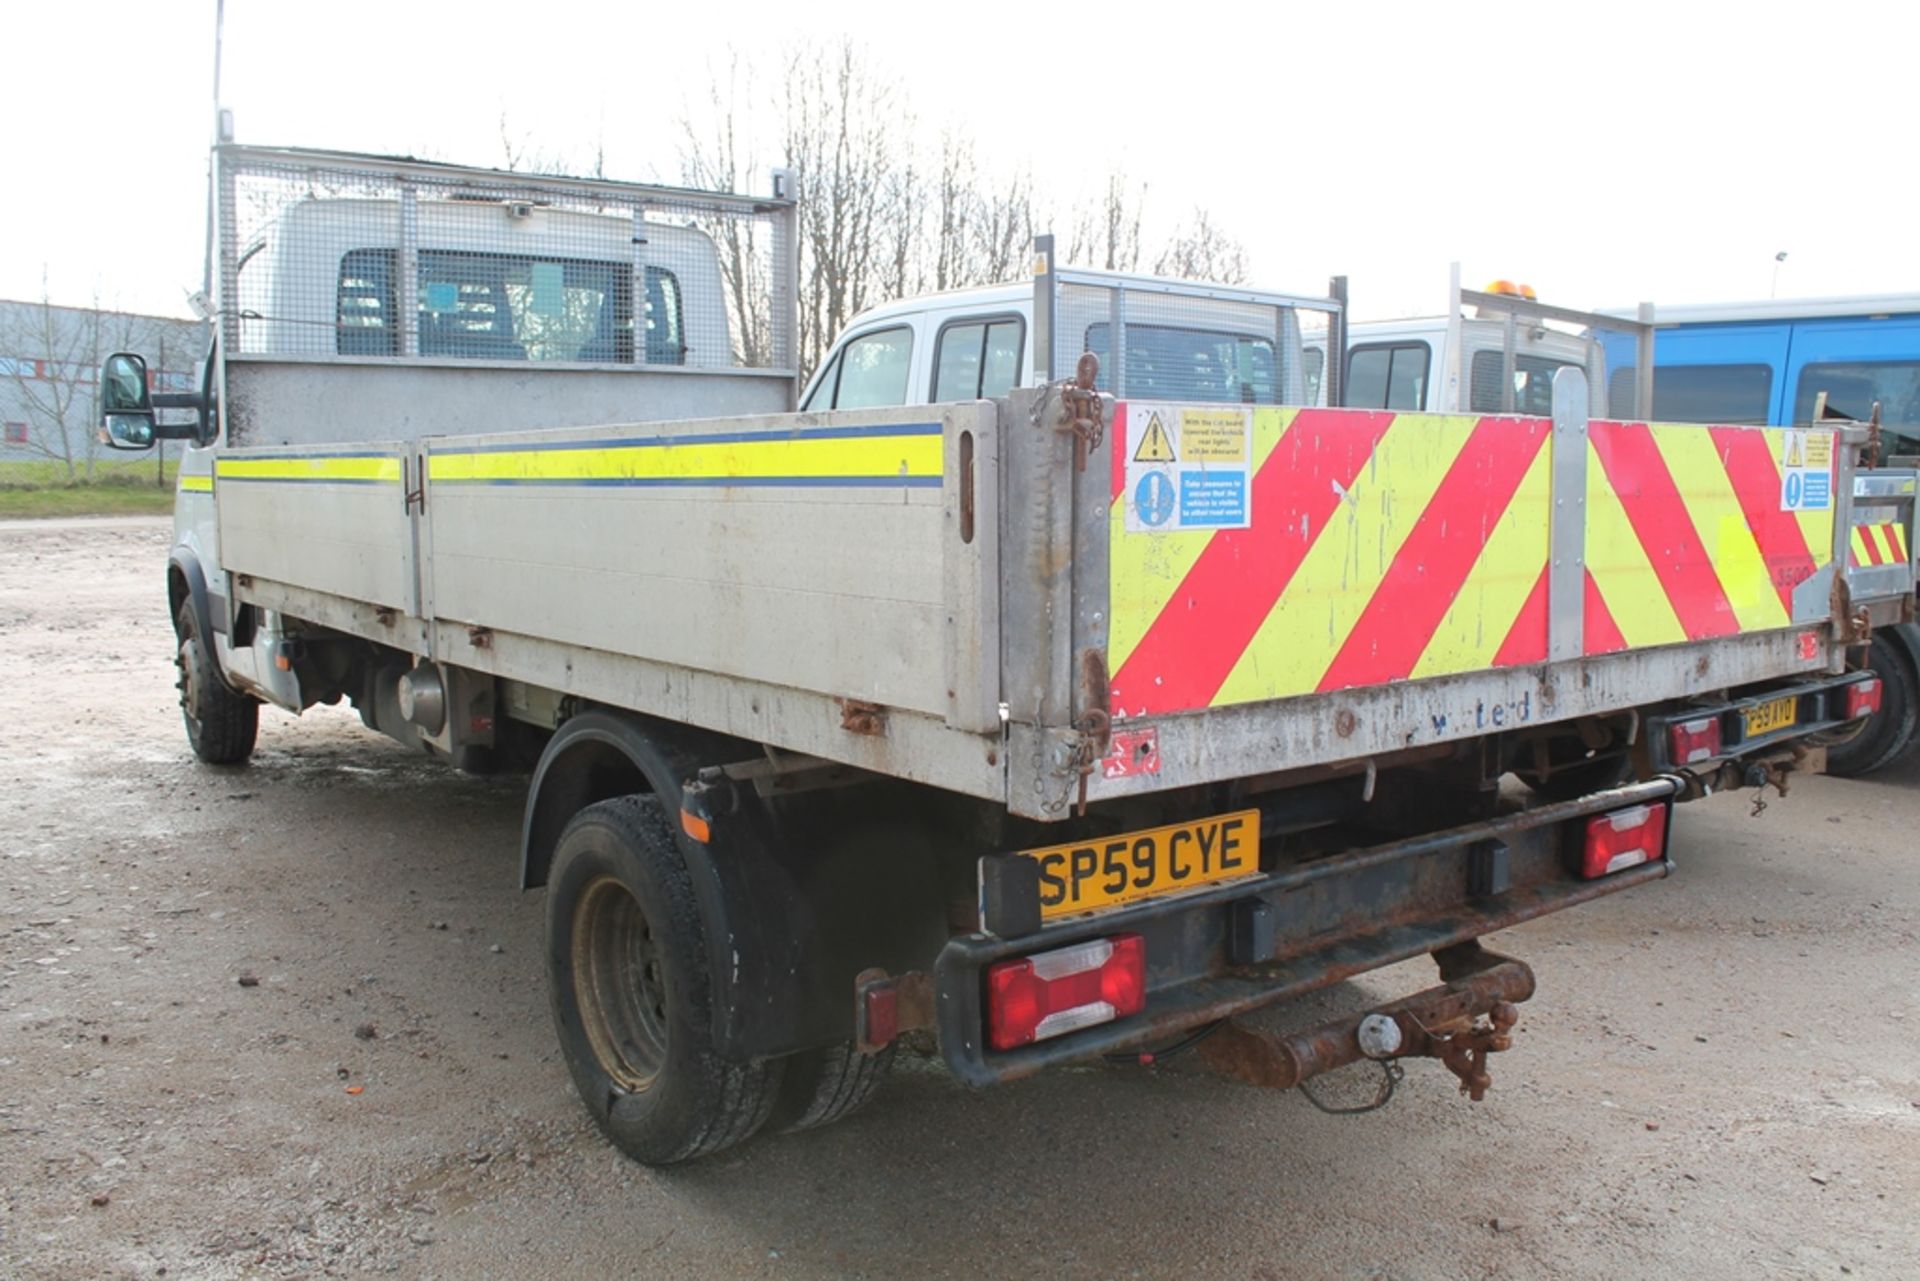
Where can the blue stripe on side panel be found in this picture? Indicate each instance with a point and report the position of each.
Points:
(709, 438)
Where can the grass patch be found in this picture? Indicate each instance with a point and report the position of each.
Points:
(85, 500)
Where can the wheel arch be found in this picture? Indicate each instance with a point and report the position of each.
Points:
(186, 581)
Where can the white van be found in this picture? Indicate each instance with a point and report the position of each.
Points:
(1201, 344)
(1455, 363)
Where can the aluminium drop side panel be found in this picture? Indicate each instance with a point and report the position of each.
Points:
(808, 552)
(1391, 586)
(331, 520)
(288, 400)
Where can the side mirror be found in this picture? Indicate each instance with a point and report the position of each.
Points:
(126, 404)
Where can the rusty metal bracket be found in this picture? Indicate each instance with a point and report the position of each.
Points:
(858, 716)
(1851, 626)
(1082, 412)
(1460, 1023)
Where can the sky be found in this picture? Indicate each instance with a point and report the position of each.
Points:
(1605, 154)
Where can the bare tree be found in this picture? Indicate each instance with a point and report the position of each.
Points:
(1201, 251)
(1106, 231)
(844, 136)
(718, 156)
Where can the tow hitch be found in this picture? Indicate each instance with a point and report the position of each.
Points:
(1461, 1022)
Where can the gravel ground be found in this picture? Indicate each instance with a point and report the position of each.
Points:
(289, 1021)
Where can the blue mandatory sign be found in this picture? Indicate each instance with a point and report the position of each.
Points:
(1153, 498)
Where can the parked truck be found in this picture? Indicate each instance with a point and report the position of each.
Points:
(1074, 715)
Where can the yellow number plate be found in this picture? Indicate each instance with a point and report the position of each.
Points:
(1767, 717)
(1112, 870)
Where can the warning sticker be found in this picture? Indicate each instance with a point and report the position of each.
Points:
(1806, 471)
(1187, 468)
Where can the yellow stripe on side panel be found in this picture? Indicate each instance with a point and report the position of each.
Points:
(1312, 619)
(1620, 568)
(1694, 462)
(904, 456)
(1145, 570)
(196, 484)
(337, 469)
(1477, 623)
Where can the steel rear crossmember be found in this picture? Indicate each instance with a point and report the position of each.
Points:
(1231, 949)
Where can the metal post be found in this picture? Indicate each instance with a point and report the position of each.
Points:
(407, 288)
(785, 266)
(642, 301)
(1043, 289)
(1455, 370)
(1643, 365)
(1333, 374)
(1567, 524)
(226, 303)
(1509, 361)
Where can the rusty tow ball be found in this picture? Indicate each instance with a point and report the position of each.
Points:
(1460, 1023)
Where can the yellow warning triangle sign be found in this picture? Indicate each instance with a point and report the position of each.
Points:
(1154, 446)
(1793, 450)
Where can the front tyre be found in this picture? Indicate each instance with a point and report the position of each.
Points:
(632, 993)
(221, 725)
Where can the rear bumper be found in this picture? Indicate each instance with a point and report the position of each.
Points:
(1821, 706)
(1233, 948)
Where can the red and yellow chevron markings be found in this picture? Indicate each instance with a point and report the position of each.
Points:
(1382, 546)
(1686, 539)
(1389, 547)
(1877, 544)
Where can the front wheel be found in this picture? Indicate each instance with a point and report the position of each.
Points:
(221, 725)
(632, 992)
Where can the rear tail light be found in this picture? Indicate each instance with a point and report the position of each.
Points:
(1863, 698)
(1052, 993)
(1694, 740)
(1623, 839)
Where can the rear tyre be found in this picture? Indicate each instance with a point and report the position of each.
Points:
(632, 994)
(824, 1086)
(1887, 735)
(221, 725)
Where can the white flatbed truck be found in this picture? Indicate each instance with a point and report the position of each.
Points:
(1056, 724)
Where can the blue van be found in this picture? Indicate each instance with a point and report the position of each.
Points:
(1766, 363)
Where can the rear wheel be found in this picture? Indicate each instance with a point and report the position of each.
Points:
(632, 993)
(221, 725)
(824, 1086)
(1888, 734)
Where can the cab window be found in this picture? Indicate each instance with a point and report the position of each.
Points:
(978, 359)
(1852, 387)
(1532, 383)
(1388, 376)
(868, 372)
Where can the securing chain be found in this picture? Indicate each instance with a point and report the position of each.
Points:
(1095, 732)
(1083, 414)
(1391, 1074)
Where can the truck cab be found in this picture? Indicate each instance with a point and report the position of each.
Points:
(1215, 346)
(1455, 362)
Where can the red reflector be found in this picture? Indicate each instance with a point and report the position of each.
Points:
(1695, 740)
(1052, 993)
(1863, 698)
(882, 1015)
(1623, 839)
